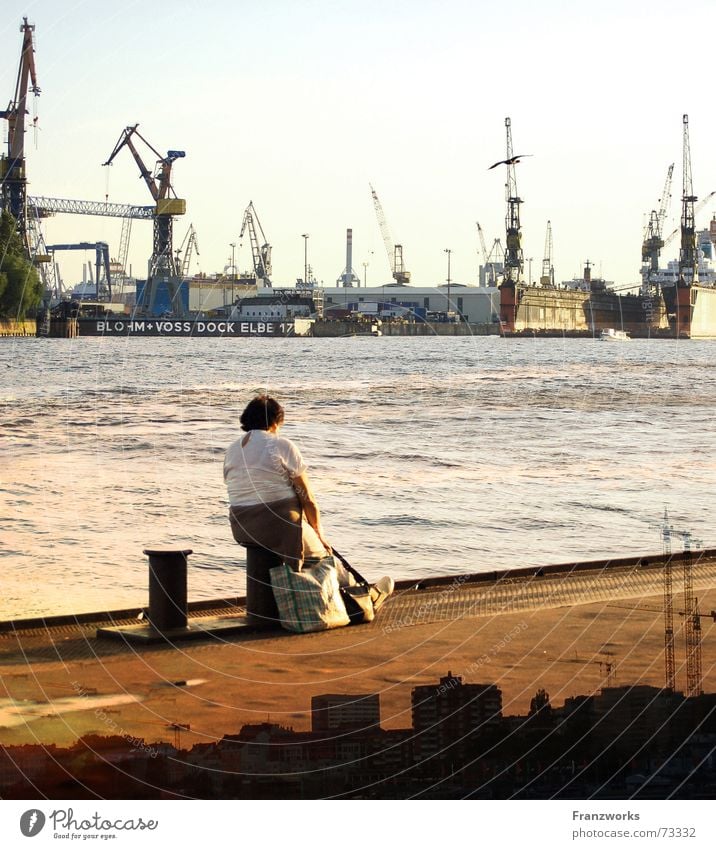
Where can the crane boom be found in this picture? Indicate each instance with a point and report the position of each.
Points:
(697, 208)
(12, 166)
(395, 252)
(653, 235)
(260, 248)
(489, 266)
(482, 240)
(162, 265)
(188, 245)
(384, 229)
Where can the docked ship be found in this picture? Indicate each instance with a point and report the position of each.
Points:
(691, 306)
(579, 307)
(582, 307)
(676, 302)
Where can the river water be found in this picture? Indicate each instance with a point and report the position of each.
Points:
(428, 455)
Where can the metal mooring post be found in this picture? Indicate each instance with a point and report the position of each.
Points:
(261, 607)
(167, 588)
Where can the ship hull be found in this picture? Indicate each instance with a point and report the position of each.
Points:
(691, 311)
(552, 310)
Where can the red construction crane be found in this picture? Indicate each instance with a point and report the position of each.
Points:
(12, 166)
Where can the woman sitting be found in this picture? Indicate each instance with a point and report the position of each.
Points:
(268, 488)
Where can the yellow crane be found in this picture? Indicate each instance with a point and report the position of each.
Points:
(162, 265)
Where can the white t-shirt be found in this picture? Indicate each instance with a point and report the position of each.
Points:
(261, 471)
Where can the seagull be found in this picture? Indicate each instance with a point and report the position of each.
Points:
(512, 161)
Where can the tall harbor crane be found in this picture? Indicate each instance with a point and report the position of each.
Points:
(260, 248)
(395, 252)
(162, 265)
(12, 166)
(653, 234)
(688, 260)
(547, 278)
(514, 258)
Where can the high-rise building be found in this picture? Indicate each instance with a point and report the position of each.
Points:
(333, 712)
(452, 711)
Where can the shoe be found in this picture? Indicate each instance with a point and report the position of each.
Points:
(381, 590)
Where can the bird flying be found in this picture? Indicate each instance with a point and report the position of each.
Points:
(513, 160)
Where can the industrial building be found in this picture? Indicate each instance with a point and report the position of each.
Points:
(473, 304)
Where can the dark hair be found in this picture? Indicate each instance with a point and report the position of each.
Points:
(261, 413)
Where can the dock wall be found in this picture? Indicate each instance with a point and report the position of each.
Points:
(17, 328)
(327, 329)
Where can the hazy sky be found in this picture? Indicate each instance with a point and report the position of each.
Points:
(298, 106)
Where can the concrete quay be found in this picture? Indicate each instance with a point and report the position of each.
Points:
(554, 627)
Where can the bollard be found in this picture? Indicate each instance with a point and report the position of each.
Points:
(167, 588)
(261, 610)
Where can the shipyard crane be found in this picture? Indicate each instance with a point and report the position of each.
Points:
(12, 166)
(688, 260)
(395, 252)
(514, 258)
(547, 278)
(483, 246)
(260, 248)
(653, 234)
(188, 246)
(699, 206)
(162, 265)
(486, 258)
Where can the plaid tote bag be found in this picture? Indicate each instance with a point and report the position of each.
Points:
(309, 600)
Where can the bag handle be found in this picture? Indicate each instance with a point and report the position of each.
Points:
(356, 574)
